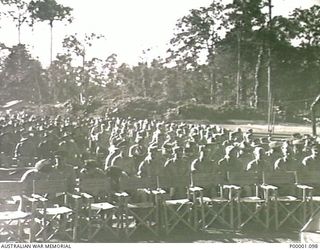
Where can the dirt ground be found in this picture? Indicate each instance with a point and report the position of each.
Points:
(211, 236)
(223, 236)
(262, 127)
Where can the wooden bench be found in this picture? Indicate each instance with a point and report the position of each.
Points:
(99, 213)
(288, 208)
(15, 221)
(140, 204)
(57, 205)
(252, 207)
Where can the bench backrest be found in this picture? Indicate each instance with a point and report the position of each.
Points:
(278, 178)
(53, 186)
(11, 188)
(95, 186)
(134, 183)
(174, 181)
(206, 180)
(244, 178)
(308, 177)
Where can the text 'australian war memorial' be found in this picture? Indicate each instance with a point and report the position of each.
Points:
(212, 136)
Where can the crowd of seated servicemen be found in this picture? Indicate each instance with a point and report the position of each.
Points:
(113, 147)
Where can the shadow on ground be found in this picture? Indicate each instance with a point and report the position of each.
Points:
(210, 236)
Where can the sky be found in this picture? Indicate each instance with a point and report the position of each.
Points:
(129, 26)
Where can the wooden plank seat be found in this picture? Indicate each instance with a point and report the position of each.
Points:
(214, 199)
(253, 199)
(102, 206)
(8, 215)
(98, 214)
(57, 216)
(140, 206)
(287, 198)
(12, 224)
(177, 202)
(180, 210)
(16, 223)
(315, 199)
(54, 210)
(252, 208)
(289, 209)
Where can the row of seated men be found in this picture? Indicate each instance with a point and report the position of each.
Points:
(113, 141)
(114, 147)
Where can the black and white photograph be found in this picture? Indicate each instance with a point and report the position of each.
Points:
(159, 121)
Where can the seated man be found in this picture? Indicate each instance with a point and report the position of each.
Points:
(311, 162)
(177, 165)
(259, 163)
(40, 171)
(150, 165)
(231, 161)
(202, 164)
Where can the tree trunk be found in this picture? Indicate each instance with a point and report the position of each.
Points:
(243, 87)
(83, 94)
(212, 76)
(211, 91)
(180, 85)
(51, 41)
(19, 34)
(51, 83)
(313, 115)
(313, 122)
(37, 85)
(238, 79)
(144, 81)
(256, 78)
(19, 28)
(269, 71)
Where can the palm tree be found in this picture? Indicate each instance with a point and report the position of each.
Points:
(49, 10)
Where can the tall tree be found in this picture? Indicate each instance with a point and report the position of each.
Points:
(244, 19)
(78, 48)
(196, 37)
(18, 11)
(110, 66)
(64, 78)
(307, 25)
(4, 52)
(298, 52)
(21, 81)
(49, 11)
